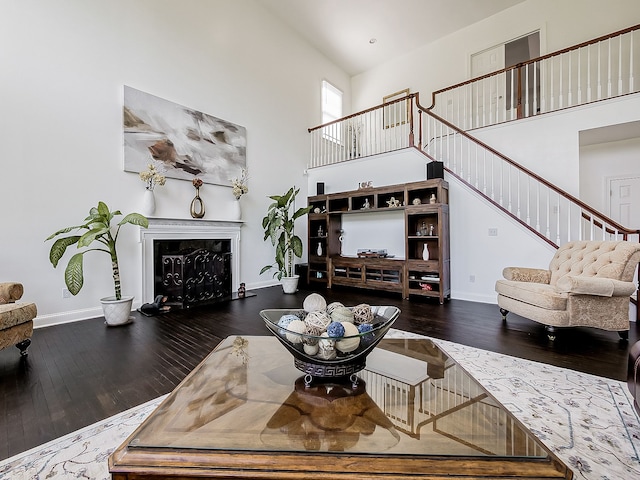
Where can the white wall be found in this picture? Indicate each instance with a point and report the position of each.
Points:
(64, 64)
(603, 161)
(562, 23)
(549, 144)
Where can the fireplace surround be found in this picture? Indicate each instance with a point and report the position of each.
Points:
(187, 231)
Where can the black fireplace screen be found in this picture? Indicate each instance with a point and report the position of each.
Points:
(195, 272)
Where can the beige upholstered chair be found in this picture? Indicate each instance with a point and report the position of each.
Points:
(588, 283)
(16, 319)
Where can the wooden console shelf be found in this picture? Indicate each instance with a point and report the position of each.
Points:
(426, 223)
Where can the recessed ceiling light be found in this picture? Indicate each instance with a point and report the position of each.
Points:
(372, 41)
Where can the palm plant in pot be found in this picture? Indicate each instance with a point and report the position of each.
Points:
(278, 226)
(98, 230)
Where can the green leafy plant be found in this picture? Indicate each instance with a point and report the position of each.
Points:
(98, 229)
(278, 226)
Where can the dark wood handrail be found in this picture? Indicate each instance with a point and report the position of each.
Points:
(534, 60)
(410, 96)
(549, 185)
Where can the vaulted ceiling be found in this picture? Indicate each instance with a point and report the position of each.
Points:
(358, 35)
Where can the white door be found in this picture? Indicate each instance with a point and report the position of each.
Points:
(624, 201)
(487, 95)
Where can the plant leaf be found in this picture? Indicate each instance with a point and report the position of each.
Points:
(91, 235)
(296, 246)
(59, 247)
(135, 219)
(73, 275)
(265, 268)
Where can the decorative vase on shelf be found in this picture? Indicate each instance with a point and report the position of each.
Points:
(425, 252)
(236, 210)
(148, 203)
(319, 250)
(197, 206)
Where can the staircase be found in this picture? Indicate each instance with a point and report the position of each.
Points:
(601, 69)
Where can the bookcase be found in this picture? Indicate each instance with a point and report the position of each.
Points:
(424, 207)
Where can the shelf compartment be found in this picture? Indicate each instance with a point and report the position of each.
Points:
(383, 198)
(359, 202)
(340, 204)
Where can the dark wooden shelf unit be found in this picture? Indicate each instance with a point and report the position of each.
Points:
(425, 223)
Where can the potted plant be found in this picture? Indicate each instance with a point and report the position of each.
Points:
(278, 226)
(98, 229)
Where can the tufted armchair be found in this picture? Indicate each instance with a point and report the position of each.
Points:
(16, 319)
(588, 283)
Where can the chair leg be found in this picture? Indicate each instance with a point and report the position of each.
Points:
(23, 345)
(551, 332)
(624, 334)
(504, 314)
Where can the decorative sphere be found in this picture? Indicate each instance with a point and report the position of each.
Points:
(295, 330)
(284, 322)
(309, 333)
(368, 337)
(335, 329)
(314, 302)
(318, 319)
(327, 349)
(342, 314)
(350, 342)
(310, 349)
(362, 314)
(365, 327)
(332, 306)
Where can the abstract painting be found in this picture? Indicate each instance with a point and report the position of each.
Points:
(185, 142)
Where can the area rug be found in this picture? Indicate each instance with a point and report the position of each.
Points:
(588, 421)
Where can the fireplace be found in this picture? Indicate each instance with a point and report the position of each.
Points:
(192, 272)
(190, 261)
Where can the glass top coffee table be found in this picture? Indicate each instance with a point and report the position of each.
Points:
(245, 412)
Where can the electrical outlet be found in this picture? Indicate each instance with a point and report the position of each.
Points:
(472, 278)
(493, 232)
(66, 293)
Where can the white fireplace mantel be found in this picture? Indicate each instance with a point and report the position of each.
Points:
(187, 229)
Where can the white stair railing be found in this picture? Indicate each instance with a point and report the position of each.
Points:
(543, 208)
(600, 69)
(381, 129)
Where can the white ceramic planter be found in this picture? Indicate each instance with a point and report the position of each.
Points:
(290, 284)
(117, 312)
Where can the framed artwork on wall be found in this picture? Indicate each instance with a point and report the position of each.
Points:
(185, 142)
(396, 113)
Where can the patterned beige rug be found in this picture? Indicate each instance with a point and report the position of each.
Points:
(587, 421)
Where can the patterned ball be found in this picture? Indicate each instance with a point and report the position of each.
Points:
(327, 349)
(318, 319)
(362, 314)
(284, 322)
(313, 332)
(314, 302)
(335, 329)
(365, 327)
(368, 337)
(351, 340)
(342, 314)
(295, 329)
(332, 306)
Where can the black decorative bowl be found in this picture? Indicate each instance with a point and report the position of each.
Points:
(320, 364)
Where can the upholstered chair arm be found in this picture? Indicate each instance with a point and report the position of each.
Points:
(599, 286)
(532, 275)
(10, 292)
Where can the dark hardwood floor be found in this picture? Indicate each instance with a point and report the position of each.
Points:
(82, 372)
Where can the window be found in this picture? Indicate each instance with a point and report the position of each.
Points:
(331, 110)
